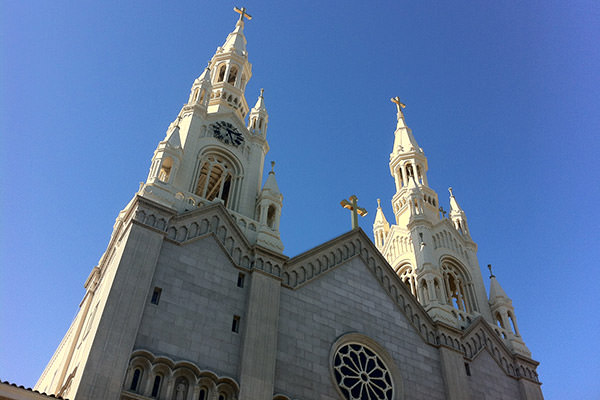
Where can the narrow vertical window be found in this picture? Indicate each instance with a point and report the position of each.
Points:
(221, 76)
(135, 381)
(240, 281)
(235, 324)
(156, 295)
(156, 386)
(202, 395)
(468, 369)
(232, 75)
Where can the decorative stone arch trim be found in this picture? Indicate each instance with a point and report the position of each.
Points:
(369, 366)
(458, 284)
(218, 175)
(174, 374)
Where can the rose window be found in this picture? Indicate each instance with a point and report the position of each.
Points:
(360, 374)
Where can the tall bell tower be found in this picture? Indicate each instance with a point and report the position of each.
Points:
(433, 253)
(203, 189)
(210, 154)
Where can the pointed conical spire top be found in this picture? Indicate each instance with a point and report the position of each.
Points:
(205, 75)
(454, 207)
(380, 217)
(271, 183)
(236, 40)
(405, 141)
(260, 102)
(399, 114)
(496, 291)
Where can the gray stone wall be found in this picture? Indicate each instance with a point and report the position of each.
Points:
(347, 299)
(488, 381)
(198, 301)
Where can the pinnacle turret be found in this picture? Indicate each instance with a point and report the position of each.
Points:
(381, 227)
(259, 118)
(458, 216)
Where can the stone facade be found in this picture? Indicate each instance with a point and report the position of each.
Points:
(194, 299)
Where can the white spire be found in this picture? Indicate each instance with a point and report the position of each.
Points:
(260, 102)
(496, 291)
(380, 219)
(236, 41)
(454, 207)
(204, 76)
(271, 183)
(404, 141)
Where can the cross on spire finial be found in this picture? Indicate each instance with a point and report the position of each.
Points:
(354, 208)
(441, 209)
(272, 167)
(491, 273)
(450, 190)
(243, 13)
(399, 105)
(262, 91)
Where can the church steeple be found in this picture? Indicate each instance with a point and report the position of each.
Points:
(408, 166)
(231, 71)
(210, 154)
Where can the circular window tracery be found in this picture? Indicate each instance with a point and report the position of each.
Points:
(361, 374)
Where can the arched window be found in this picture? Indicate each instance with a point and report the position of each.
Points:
(135, 381)
(457, 283)
(221, 74)
(202, 395)
(216, 178)
(195, 96)
(407, 276)
(271, 216)
(222, 396)
(165, 170)
(232, 75)
(202, 95)
(156, 386)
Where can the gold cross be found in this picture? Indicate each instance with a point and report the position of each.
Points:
(356, 210)
(242, 13)
(400, 105)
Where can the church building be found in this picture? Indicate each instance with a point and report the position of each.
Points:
(194, 298)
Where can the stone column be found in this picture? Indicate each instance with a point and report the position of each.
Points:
(257, 369)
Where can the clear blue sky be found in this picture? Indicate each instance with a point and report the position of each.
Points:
(502, 96)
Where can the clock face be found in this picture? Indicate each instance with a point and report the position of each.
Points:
(227, 133)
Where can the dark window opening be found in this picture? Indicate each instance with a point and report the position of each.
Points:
(468, 369)
(240, 281)
(156, 295)
(135, 381)
(156, 386)
(235, 324)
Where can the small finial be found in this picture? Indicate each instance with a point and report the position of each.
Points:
(450, 190)
(378, 203)
(262, 91)
(491, 273)
(243, 13)
(273, 167)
